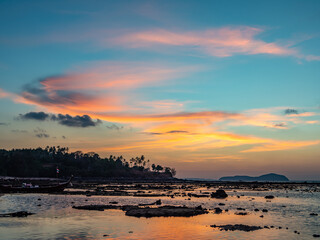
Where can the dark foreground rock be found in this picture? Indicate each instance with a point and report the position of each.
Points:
(221, 194)
(138, 211)
(217, 210)
(96, 207)
(158, 202)
(269, 197)
(17, 214)
(237, 227)
(165, 211)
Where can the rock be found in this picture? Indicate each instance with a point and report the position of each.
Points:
(158, 202)
(256, 210)
(313, 214)
(315, 235)
(241, 209)
(106, 235)
(197, 195)
(220, 194)
(113, 202)
(217, 210)
(221, 204)
(269, 197)
(264, 210)
(17, 214)
(165, 211)
(261, 216)
(39, 199)
(241, 213)
(237, 227)
(96, 207)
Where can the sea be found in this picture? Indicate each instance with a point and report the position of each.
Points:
(288, 216)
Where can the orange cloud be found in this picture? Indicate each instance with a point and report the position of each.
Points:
(4, 94)
(221, 42)
(113, 75)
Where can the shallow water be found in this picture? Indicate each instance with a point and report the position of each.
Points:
(56, 219)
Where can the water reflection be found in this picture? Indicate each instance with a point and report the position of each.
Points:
(55, 218)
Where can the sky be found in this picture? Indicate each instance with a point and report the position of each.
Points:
(211, 88)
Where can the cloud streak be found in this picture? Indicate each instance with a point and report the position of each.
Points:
(219, 42)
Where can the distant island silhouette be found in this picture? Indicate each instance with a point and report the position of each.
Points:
(271, 177)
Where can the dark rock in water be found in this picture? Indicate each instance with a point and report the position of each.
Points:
(221, 204)
(217, 210)
(313, 214)
(241, 213)
(199, 207)
(256, 210)
(158, 202)
(113, 202)
(96, 207)
(271, 177)
(261, 216)
(219, 194)
(16, 214)
(241, 209)
(269, 197)
(264, 210)
(316, 235)
(197, 195)
(106, 235)
(237, 227)
(165, 211)
(39, 199)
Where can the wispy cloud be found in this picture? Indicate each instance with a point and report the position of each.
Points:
(218, 42)
(105, 87)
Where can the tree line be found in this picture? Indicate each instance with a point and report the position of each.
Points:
(58, 162)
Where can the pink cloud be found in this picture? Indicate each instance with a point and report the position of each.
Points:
(112, 75)
(4, 94)
(222, 42)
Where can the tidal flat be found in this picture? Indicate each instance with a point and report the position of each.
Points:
(291, 213)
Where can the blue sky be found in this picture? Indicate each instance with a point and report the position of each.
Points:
(212, 88)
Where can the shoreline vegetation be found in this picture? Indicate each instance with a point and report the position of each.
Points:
(45, 163)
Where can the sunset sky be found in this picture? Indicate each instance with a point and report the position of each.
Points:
(212, 88)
